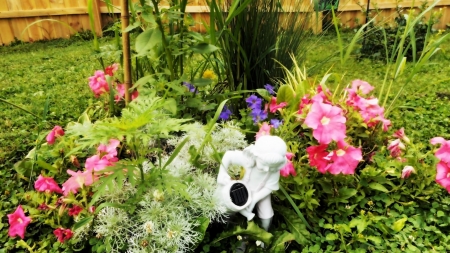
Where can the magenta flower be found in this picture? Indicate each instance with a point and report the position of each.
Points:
(396, 147)
(63, 234)
(57, 131)
(327, 122)
(306, 101)
(48, 184)
(443, 153)
(18, 223)
(110, 70)
(77, 180)
(345, 159)
(400, 134)
(98, 83)
(75, 210)
(121, 93)
(288, 169)
(443, 175)
(273, 106)
(263, 130)
(407, 170)
(95, 163)
(319, 157)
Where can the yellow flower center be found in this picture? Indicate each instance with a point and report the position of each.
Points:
(340, 152)
(20, 220)
(325, 121)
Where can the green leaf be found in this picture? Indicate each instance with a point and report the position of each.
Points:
(83, 222)
(285, 94)
(278, 244)
(204, 222)
(201, 82)
(171, 105)
(375, 239)
(264, 93)
(345, 193)
(398, 225)
(331, 237)
(204, 48)
(295, 225)
(378, 187)
(252, 230)
(148, 40)
(175, 152)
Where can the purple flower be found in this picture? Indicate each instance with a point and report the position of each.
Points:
(254, 102)
(190, 87)
(276, 123)
(270, 89)
(258, 115)
(225, 114)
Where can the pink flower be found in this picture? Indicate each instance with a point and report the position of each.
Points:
(396, 147)
(400, 134)
(345, 159)
(75, 210)
(95, 163)
(273, 107)
(98, 83)
(362, 86)
(77, 181)
(56, 132)
(443, 153)
(443, 175)
(288, 169)
(304, 103)
(109, 151)
(327, 122)
(91, 209)
(43, 207)
(321, 96)
(121, 93)
(406, 172)
(63, 234)
(110, 70)
(318, 157)
(18, 223)
(263, 130)
(43, 184)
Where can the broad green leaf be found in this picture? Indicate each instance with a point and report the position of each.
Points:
(295, 225)
(204, 222)
(398, 225)
(375, 239)
(378, 187)
(285, 94)
(252, 230)
(148, 40)
(345, 193)
(171, 105)
(278, 244)
(204, 48)
(331, 237)
(264, 93)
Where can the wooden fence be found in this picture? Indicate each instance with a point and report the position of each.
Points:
(31, 20)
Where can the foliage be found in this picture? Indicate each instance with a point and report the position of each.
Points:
(253, 35)
(382, 40)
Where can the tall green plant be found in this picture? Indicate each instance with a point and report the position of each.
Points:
(252, 34)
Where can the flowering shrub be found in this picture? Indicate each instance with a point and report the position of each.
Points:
(359, 187)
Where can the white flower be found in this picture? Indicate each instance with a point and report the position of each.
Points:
(239, 237)
(258, 243)
(158, 195)
(149, 227)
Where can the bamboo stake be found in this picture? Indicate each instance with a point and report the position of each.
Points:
(126, 49)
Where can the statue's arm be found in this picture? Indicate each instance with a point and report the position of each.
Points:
(229, 158)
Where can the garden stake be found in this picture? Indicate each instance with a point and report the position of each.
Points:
(124, 15)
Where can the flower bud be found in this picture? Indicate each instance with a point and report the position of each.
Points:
(406, 172)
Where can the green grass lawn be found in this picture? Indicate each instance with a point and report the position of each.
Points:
(32, 73)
